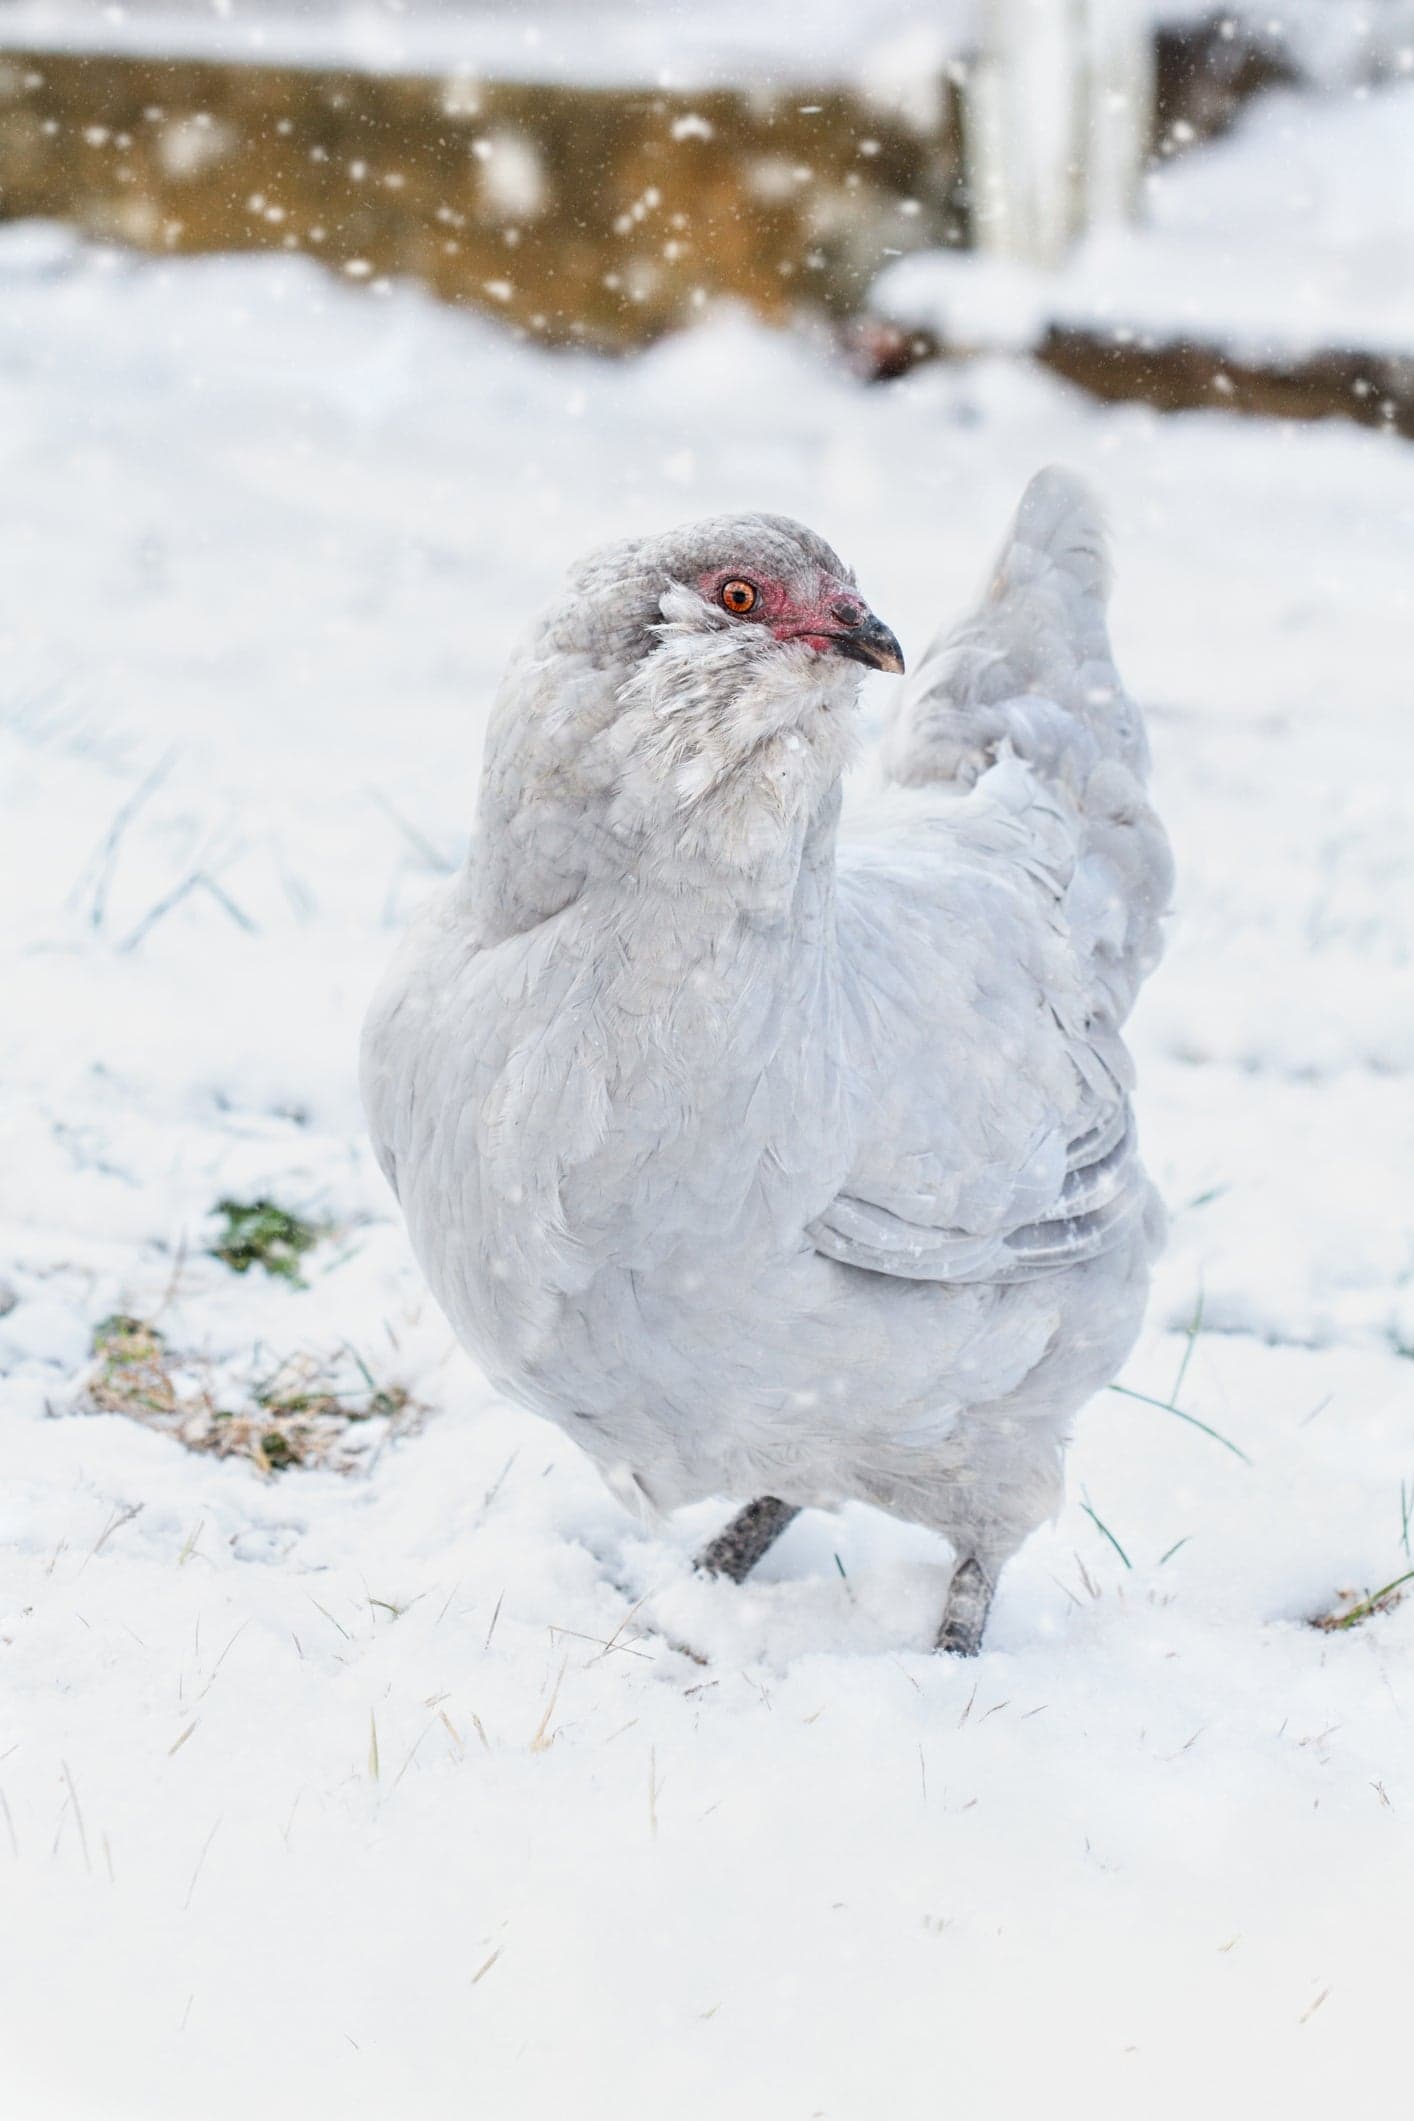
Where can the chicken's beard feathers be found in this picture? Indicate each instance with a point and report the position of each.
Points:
(730, 740)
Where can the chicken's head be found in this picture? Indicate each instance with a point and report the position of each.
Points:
(774, 576)
(688, 694)
(743, 584)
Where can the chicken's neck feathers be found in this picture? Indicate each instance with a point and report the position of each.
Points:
(708, 768)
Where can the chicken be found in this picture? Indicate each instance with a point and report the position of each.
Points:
(772, 1160)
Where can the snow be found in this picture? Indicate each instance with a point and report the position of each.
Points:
(1292, 236)
(883, 48)
(266, 540)
(886, 46)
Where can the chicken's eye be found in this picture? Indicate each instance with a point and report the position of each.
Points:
(737, 598)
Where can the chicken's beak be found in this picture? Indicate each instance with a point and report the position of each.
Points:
(871, 642)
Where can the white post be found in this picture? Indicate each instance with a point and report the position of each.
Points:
(1058, 112)
(1118, 65)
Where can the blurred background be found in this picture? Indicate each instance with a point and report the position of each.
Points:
(601, 175)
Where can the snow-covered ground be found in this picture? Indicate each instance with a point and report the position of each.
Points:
(390, 1794)
(1292, 236)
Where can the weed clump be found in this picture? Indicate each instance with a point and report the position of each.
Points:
(310, 1413)
(260, 1233)
(307, 1412)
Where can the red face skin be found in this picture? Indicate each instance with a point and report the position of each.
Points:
(832, 611)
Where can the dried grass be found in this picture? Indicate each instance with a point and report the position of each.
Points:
(307, 1412)
(1352, 1608)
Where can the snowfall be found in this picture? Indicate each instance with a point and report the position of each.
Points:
(440, 1785)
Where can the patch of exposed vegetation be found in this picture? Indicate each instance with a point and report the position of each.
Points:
(132, 1374)
(1352, 1608)
(260, 1233)
(307, 1412)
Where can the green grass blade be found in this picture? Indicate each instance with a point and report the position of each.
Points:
(1148, 1400)
(1101, 1526)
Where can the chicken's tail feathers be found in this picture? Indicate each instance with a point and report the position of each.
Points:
(1031, 667)
(1030, 675)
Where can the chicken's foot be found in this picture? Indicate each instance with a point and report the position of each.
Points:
(965, 1614)
(740, 1545)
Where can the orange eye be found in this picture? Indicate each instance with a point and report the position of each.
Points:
(737, 598)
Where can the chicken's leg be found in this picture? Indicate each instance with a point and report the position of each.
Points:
(740, 1545)
(965, 1614)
